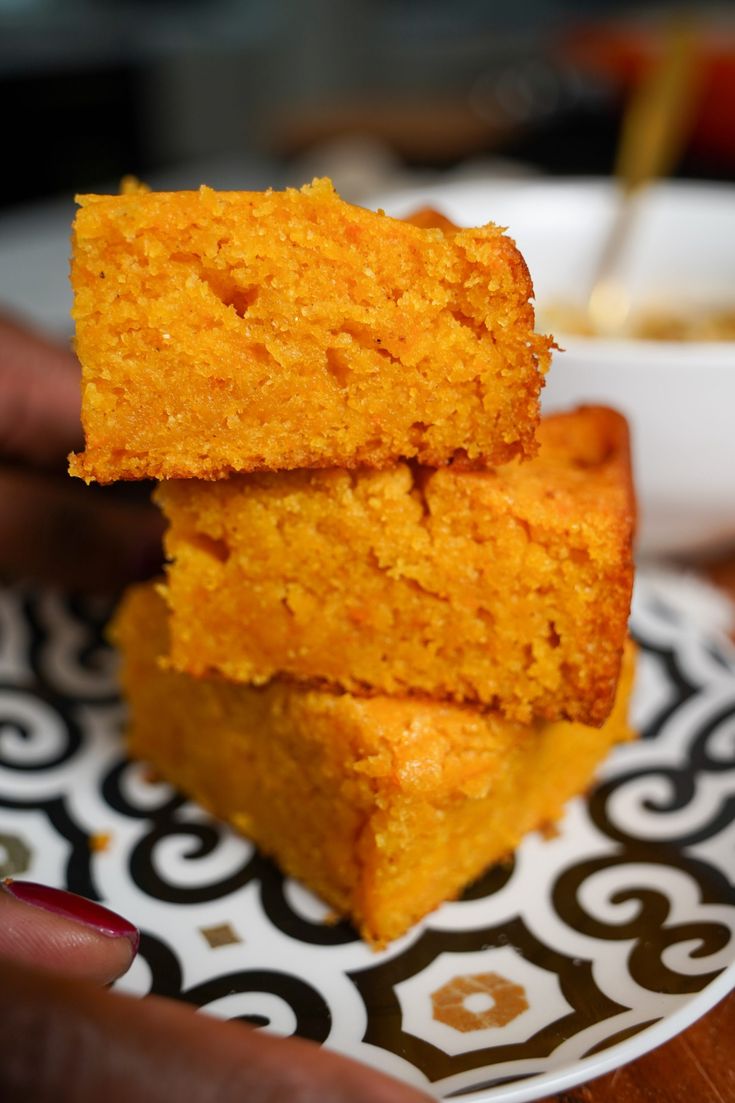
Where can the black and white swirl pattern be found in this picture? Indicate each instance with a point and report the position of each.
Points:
(592, 937)
(37, 732)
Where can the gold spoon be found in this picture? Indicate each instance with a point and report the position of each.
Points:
(655, 127)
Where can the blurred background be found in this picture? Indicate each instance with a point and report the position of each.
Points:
(375, 93)
(264, 90)
(97, 88)
(394, 97)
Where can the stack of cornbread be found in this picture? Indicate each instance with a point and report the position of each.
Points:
(392, 635)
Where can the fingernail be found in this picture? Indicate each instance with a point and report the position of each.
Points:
(76, 908)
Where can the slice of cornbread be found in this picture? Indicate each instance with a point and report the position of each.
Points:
(243, 331)
(510, 586)
(383, 806)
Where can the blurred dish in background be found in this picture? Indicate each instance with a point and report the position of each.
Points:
(654, 131)
(678, 395)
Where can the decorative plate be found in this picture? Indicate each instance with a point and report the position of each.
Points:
(594, 946)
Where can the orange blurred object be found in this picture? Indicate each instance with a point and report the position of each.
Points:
(624, 52)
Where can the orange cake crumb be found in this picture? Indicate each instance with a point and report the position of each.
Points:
(383, 806)
(510, 586)
(242, 331)
(100, 841)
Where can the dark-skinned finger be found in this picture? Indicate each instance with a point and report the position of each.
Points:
(40, 397)
(56, 530)
(66, 1041)
(64, 933)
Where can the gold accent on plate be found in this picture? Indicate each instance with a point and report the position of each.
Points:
(15, 855)
(462, 1003)
(223, 934)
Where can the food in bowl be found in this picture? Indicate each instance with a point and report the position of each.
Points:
(658, 323)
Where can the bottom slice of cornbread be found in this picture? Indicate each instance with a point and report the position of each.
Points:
(385, 807)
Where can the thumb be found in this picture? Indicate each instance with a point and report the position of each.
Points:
(65, 1041)
(39, 382)
(64, 933)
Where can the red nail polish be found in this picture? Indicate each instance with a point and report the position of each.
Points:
(76, 908)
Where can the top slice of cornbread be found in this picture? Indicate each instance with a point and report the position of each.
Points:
(243, 331)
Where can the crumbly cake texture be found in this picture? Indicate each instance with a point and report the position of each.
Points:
(243, 331)
(509, 587)
(383, 806)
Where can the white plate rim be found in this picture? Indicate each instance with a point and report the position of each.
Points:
(622, 1053)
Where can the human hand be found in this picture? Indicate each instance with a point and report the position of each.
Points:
(54, 528)
(68, 1041)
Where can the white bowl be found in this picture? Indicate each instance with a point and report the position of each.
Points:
(678, 396)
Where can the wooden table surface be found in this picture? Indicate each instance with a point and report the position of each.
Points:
(698, 1066)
